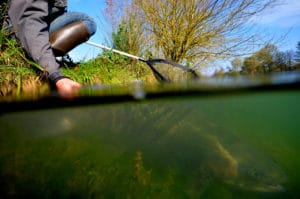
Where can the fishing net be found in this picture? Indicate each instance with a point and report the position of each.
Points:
(167, 71)
(164, 70)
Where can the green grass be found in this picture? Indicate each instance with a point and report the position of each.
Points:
(109, 70)
(19, 76)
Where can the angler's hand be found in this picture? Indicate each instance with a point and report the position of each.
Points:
(67, 88)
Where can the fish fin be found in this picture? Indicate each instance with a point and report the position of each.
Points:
(232, 167)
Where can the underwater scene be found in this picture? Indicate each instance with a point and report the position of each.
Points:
(233, 146)
(242, 146)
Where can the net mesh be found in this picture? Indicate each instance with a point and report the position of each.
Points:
(168, 71)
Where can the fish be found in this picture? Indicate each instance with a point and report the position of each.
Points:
(250, 169)
(229, 159)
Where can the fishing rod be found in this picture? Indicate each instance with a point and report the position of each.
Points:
(156, 65)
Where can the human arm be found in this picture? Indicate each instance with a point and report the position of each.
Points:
(30, 23)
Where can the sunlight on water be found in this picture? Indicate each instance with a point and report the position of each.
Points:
(239, 146)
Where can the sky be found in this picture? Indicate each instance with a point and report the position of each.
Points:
(94, 8)
(281, 20)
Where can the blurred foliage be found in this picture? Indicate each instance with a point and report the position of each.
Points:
(266, 60)
(297, 54)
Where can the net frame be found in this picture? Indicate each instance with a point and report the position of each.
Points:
(151, 62)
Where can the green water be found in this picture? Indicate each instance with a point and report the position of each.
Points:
(239, 146)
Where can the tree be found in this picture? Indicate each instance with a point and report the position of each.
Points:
(268, 59)
(237, 64)
(262, 61)
(120, 38)
(114, 11)
(127, 33)
(194, 30)
(297, 54)
(284, 61)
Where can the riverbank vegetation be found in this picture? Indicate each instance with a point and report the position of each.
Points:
(201, 34)
(19, 75)
(268, 59)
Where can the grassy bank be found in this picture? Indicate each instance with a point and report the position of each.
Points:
(19, 76)
(109, 68)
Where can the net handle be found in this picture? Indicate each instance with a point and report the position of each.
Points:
(115, 51)
(158, 75)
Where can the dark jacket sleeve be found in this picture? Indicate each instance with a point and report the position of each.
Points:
(29, 20)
